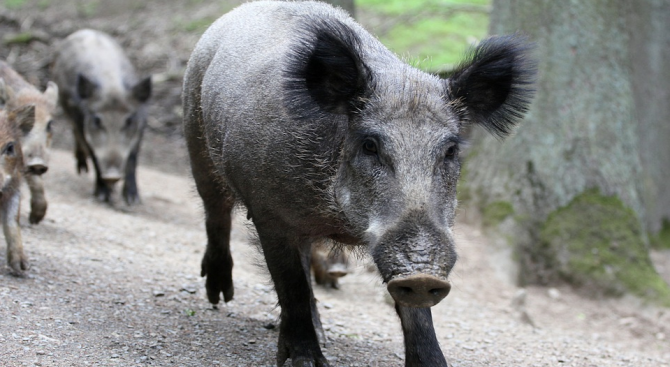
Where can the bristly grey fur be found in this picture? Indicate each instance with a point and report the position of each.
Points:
(326, 49)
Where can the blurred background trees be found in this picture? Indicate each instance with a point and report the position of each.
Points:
(581, 191)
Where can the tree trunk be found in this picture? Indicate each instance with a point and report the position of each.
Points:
(650, 51)
(569, 191)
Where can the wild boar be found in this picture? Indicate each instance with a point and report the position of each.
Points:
(106, 103)
(35, 143)
(329, 265)
(295, 111)
(11, 169)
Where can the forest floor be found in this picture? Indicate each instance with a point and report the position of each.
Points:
(117, 286)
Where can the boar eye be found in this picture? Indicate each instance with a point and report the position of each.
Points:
(9, 149)
(369, 147)
(452, 151)
(129, 122)
(50, 125)
(97, 122)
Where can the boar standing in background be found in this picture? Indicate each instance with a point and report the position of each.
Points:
(295, 111)
(106, 103)
(11, 168)
(36, 142)
(329, 265)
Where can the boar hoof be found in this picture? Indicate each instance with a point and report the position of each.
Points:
(82, 166)
(18, 266)
(37, 212)
(309, 358)
(219, 280)
(131, 197)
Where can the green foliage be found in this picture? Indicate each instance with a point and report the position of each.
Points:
(88, 8)
(662, 239)
(432, 34)
(399, 7)
(596, 242)
(14, 4)
(198, 25)
(496, 212)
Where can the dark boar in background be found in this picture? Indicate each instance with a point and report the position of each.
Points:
(295, 111)
(106, 102)
(35, 143)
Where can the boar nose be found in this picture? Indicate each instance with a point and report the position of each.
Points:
(37, 169)
(418, 290)
(110, 181)
(37, 166)
(338, 270)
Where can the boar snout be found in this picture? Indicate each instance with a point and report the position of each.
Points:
(419, 290)
(111, 180)
(37, 166)
(415, 257)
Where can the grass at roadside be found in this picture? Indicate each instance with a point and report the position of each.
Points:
(431, 34)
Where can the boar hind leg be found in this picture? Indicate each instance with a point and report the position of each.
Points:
(38, 202)
(130, 193)
(10, 224)
(289, 268)
(421, 346)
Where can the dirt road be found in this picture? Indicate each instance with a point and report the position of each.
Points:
(112, 286)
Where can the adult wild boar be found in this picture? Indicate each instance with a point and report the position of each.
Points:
(295, 111)
(17, 92)
(106, 102)
(11, 169)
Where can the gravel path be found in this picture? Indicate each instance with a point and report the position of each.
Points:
(112, 286)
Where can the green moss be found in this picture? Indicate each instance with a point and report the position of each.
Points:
(432, 34)
(496, 212)
(596, 242)
(662, 239)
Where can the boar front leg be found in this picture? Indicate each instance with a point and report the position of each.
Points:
(129, 192)
(289, 268)
(421, 346)
(80, 154)
(38, 202)
(16, 259)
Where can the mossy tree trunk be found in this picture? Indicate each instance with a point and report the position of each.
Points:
(580, 147)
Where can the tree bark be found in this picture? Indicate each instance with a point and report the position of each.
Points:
(650, 51)
(575, 162)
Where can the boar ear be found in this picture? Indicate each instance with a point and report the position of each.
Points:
(142, 90)
(51, 94)
(493, 87)
(85, 87)
(6, 92)
(23, 117)
(326, 73)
